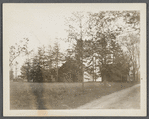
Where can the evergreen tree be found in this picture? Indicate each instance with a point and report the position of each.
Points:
(25, 71)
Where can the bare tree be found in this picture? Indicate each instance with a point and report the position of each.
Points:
(18, 49)
(131, 42)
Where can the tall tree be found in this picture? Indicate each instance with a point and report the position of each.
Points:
(100, 33)
(131, 43)
(36, 71)
(58, 57)
(76, 33)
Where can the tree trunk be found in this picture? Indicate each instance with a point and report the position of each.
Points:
(134, 78)
(95, 69)
(104, 79)
(82, 77)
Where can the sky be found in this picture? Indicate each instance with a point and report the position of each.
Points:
(42, 24)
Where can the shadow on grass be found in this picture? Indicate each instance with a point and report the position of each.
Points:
(38, 94)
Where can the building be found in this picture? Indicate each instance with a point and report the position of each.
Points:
(70, 71)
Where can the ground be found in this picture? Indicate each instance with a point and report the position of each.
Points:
(125, 99)
(24, 95)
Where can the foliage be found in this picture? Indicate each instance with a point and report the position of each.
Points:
(36, 74)
(42, 67)
(17, 49)
(26, 71)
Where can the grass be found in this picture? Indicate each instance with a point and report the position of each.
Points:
(58, 95)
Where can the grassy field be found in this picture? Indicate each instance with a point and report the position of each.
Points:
(58, 95)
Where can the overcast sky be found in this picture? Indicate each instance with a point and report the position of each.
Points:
(42, 23)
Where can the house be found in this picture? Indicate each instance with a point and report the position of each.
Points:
(87, 77)
(70, 71)
(99, 79)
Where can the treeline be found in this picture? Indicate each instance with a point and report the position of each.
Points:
(106, 44)
(43, 65)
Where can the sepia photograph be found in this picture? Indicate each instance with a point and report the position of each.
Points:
(74, 59)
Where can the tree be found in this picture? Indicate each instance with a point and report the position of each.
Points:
(17, 49)
(70, 71)
(48, 63)
(132, 19)
(26, 71)
(49, 57)
(57, 58)
(35, 72)
(131, 43)
(100, 34)
(90, 57)
(33, 69)
(76, 33)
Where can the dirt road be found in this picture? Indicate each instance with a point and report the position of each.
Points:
(125, 99)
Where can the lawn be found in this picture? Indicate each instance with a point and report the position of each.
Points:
(24, 95)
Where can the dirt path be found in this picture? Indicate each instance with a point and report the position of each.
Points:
(125, 99)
